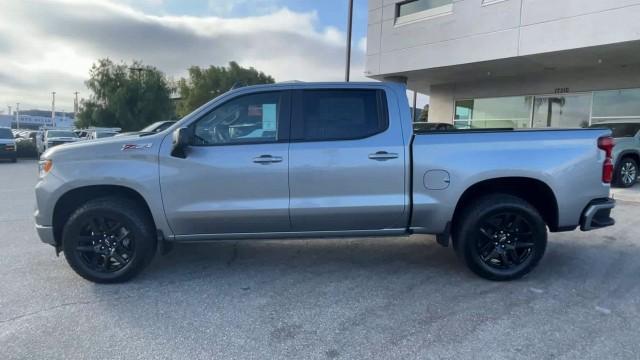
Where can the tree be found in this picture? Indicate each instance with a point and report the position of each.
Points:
(125, 96)
(424, 116)
(205, 84)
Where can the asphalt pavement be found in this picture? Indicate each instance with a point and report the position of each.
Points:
(386, 298)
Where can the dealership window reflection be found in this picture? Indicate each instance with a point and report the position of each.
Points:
(617, 105)
(504, 112)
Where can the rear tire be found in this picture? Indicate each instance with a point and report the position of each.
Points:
(500, 237)
(109, 240)
(626, 172)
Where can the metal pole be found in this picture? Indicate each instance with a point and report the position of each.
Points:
(17, 115)
(53, 109)
(415, 103)
(75, 106)
(349, 30)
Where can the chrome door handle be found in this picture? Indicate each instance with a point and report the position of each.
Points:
(267, 159)
(382, 156)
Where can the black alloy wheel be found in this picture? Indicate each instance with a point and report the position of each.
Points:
(500, 237)
(105, 245)
(504, 240)
(109, 240)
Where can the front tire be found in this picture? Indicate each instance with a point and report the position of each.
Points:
(627, 173)
(109, 240)
(500, 237)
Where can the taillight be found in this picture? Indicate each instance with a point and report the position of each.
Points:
(607, 143)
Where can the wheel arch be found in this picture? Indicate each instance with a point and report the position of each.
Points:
(534, 191)
(74, 198)
(629, 154)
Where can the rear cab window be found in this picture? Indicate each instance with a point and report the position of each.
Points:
(339, 114)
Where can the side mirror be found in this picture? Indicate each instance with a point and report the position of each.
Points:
(181, 140)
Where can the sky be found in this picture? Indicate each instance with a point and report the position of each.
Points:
(50, 45)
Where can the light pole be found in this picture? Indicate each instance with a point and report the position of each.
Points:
(349, 29)
(75, 106)
(17, 115)
(53, 108)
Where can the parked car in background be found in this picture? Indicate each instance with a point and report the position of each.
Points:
(433, 126)
(82, 133)
(326, 160)
(54, 137)
(626, 153)
(8, 149)
(156, 127)
(101, 133)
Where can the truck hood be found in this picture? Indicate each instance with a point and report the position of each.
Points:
(7, 141)
(107, 148)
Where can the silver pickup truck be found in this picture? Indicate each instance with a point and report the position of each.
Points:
(320, 160)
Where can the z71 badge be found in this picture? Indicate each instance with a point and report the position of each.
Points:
(126, 147)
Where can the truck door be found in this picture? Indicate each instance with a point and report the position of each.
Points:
(347, 162)
(234, 177)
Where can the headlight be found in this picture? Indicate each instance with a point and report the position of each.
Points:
(44, 166)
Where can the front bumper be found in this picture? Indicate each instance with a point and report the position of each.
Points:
(46, 234)
(597, 215)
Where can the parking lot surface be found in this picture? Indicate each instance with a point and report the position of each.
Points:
(404, 298)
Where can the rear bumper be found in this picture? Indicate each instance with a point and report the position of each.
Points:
(8, 154)
(46, 234)
(597, 215)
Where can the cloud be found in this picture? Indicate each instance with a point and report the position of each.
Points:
(50, 45)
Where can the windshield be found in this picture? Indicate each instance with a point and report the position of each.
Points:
(6, 133)
(620, 130)
(158, 126)
(61, 133)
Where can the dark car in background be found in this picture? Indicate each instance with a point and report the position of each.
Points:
(433, 126)
(8, 145)
(626, 153)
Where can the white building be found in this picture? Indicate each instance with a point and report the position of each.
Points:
(34, 119)
(511, 63)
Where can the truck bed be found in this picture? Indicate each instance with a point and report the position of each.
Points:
(446, 163)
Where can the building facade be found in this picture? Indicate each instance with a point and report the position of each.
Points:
(35, 119)
(512, 63)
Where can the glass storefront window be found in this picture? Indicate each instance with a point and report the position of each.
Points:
(575, 110)
(616, 104)
(464, 110)
(504, 112)
(563, 111)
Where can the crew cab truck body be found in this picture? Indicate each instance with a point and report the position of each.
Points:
(320, 160)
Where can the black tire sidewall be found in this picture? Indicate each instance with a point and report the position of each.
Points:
(489, 206)
(144, 241)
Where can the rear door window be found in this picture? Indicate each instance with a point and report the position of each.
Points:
(325, 115)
